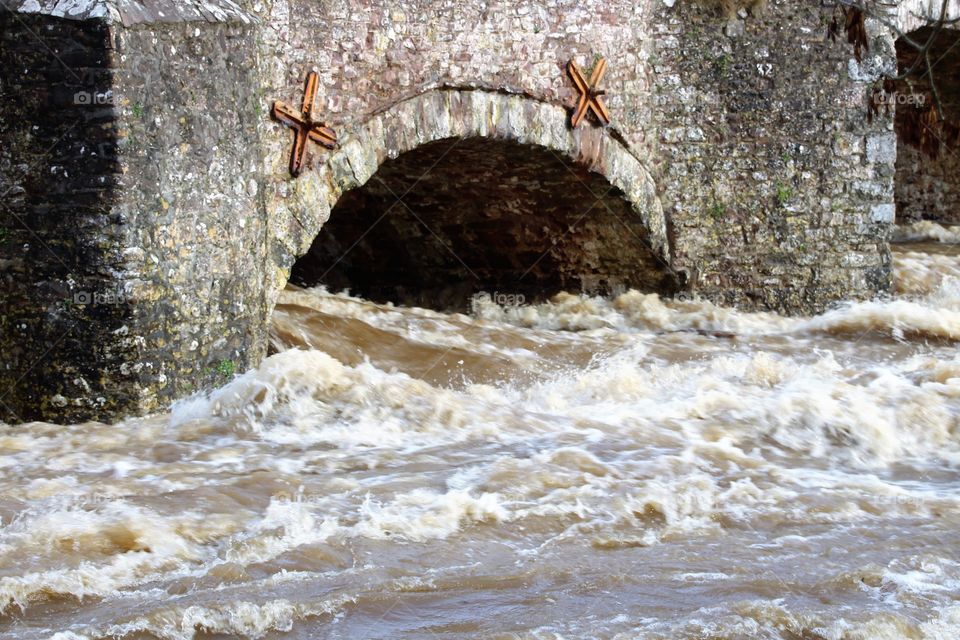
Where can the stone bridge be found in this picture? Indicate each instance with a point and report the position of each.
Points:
(149, 219)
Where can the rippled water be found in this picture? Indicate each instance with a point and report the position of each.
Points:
(587, 468)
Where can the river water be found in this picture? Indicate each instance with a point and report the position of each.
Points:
(585, 468)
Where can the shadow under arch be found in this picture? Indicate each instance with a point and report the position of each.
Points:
(927, 176)
(455, 192)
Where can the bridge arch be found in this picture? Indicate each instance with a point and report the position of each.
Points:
(481, 142)
(927, 175)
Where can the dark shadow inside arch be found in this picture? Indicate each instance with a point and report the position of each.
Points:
(927, 183)
(457, 217)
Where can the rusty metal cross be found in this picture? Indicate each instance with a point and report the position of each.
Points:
(589, 93)
(304, 126)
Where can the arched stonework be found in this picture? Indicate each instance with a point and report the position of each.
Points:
(451, 113)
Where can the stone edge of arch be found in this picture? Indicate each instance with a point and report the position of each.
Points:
(906, 13)
(453, 113)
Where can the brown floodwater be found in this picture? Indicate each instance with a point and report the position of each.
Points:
(626, 467)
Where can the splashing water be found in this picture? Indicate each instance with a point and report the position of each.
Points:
(927, 230)
(585, 468)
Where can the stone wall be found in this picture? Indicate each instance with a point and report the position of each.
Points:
(778, 188)
(741, 149)
(58, 235)
(131, 234)
(194, 239)
(927, 188)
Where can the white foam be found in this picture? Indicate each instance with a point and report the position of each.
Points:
(926, 230)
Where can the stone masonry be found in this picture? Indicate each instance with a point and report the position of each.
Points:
(149, 222)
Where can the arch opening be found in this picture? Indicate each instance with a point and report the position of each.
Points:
(927, 177)
(458, 217)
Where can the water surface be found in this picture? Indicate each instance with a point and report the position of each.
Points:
(585, 468)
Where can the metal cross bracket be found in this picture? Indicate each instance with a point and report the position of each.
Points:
(304, 126)
(589, 93)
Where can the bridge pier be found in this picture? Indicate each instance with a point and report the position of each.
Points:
(133, 228)
(149, 220)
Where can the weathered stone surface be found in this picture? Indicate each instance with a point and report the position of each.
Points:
(762, 138)
(742, 153)
(59, 240)
(132, 229)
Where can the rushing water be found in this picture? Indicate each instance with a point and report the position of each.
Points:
(588, 468)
